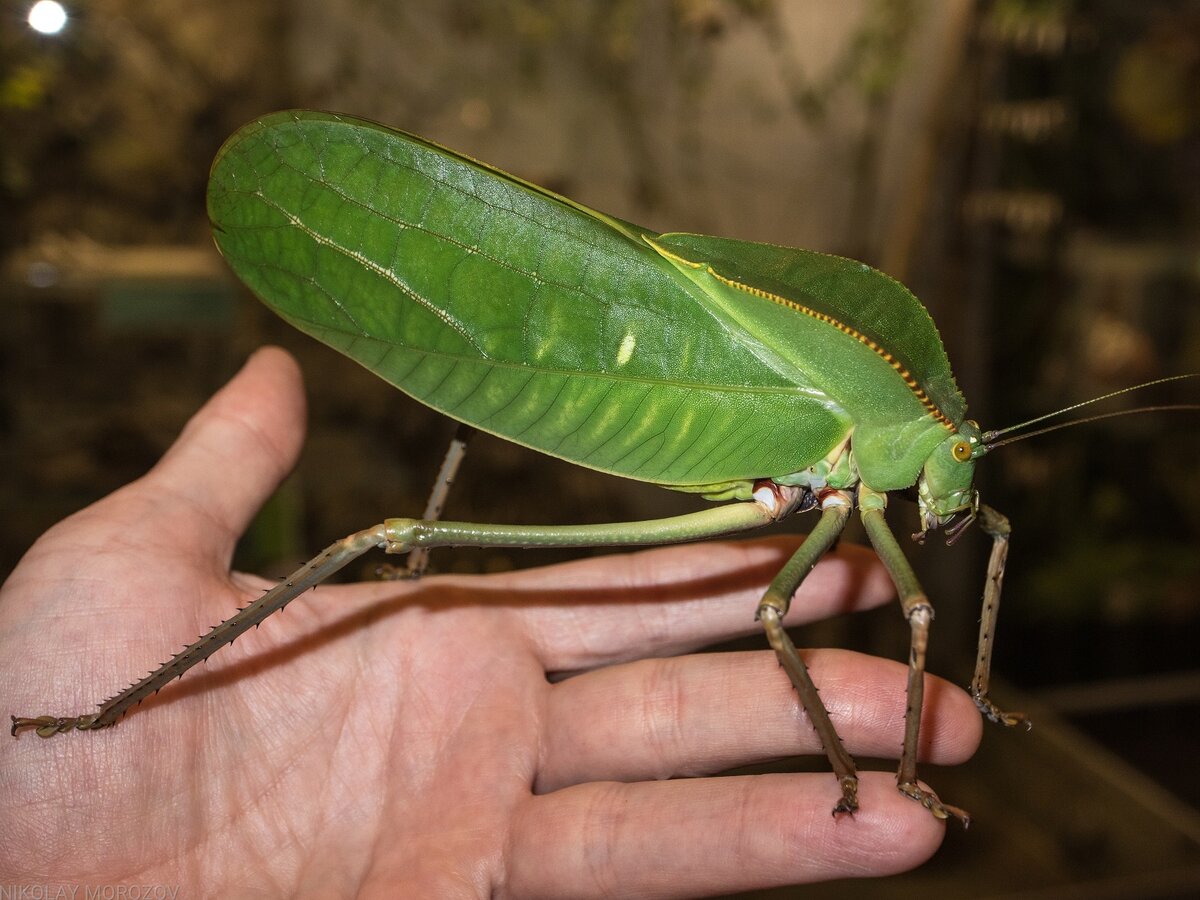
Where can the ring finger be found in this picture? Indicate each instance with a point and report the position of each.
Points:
(705, 713)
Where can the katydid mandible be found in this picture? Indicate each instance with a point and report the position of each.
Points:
(782, 379)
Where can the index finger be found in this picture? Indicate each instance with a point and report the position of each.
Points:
(673, 599)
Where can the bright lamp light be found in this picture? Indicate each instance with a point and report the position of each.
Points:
(47, 17)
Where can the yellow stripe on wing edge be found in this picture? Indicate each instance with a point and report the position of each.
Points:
(845, 329)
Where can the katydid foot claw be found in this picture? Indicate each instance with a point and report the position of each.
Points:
(995, 714)
(849, 802)
(930, 801)
(48, 726)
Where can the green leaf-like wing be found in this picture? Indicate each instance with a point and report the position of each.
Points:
(847, 329)
(506, 306)
(866, 301)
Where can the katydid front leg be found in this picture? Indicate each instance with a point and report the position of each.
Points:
(771, 502)
(995, 525)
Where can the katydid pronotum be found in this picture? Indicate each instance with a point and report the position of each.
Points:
(781, 379)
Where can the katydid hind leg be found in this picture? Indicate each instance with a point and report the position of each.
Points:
(919, 613)
(835, 511)
(312, 573)
(403, 536)
(996, 526)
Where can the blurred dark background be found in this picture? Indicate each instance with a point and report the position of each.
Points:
(1029, 168)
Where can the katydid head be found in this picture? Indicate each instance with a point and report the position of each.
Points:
(946, 486)
(945, 489)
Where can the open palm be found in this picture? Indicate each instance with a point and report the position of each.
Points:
(405, 740)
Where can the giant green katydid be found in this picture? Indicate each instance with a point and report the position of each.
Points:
(782, 379)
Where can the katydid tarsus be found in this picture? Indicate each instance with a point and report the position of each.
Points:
(780, 379)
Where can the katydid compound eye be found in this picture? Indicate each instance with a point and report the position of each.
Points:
(961, 451)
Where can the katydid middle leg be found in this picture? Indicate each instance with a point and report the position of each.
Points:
(835, 510)
(919, 613)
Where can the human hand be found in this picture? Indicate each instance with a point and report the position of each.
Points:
(402, 739)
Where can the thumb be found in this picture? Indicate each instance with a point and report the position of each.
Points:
(234, 451)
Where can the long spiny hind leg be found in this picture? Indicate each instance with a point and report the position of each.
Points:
(312, 573)
(406, 535)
